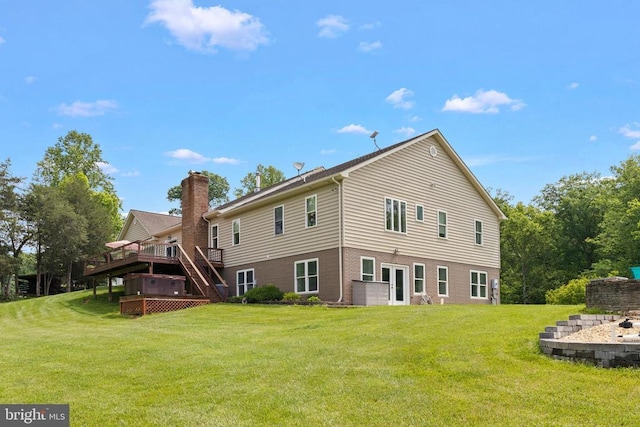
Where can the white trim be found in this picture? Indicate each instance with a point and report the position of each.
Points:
(217, 226)
(233, 240)
(446, 224)
(362, 273)
(400, 204)
(421, 207)
(245, 283)
(306, 212)
(486, 284)
(306, 275)
(475, 232)
(275, 220)
(445, 268)
(423, 278)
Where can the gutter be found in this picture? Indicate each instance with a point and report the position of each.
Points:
(339, 237)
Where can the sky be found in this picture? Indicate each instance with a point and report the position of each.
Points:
(525, 92)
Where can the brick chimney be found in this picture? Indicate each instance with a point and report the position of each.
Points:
(195, 202)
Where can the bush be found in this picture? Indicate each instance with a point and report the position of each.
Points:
(235, 299)
(573, 292)
(313, 298)
(291, 296)
(265, 293)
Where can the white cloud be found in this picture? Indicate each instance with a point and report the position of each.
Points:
(369, 47)
(86, 109)
(354, 129)
(29, 79)
(204, 29)
(593, 138)
(414, 119)
(332, 26)
(225, 160)
(483, 102)
(628, 132)
(2, 40)
(399, 99)
(57, 126)
(369, 26)
(327, 152)
(190, 156)
(106, 168)
(406, 131)
(573, 85)
(131, 174)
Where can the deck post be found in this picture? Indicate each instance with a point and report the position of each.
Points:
(110, 299)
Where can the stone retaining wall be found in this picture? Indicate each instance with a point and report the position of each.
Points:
(606, 355)
(616, 294)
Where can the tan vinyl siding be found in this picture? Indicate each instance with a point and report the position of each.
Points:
(258, 241)
(414, 176)
(135, 232)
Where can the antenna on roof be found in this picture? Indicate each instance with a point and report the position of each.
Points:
(373, 136)
(298, 166)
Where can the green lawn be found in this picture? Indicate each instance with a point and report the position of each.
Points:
(230, 365)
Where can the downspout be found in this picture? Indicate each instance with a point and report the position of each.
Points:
(339, 238)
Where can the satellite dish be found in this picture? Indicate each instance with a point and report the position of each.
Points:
(298, 166)
(373, 136)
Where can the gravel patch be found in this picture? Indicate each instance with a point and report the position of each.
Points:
(607, 333)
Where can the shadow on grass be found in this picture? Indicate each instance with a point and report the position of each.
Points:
(98, 305)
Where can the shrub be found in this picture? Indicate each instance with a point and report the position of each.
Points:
(573, 292)
(291, 296)
(265, 293)
(313, 298)
(235, 299)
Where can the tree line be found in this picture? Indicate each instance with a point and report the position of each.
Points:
(70, 209)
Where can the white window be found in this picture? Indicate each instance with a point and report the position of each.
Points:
(478, 284)
(420, 213)
(306, 273)
(442, 224)
(278, 220)
(395, 215)
(235, 225)
(478, 228)
(418, 278)
(443, 281)
(214, 237)
(245, 280)
(367, 269)
(311, 210)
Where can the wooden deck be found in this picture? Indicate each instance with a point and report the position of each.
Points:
(141, 257)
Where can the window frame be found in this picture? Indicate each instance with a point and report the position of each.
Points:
(233, 232)
(245, 283)
(214, 240)
(393, 207)
(443, 225)
(439, 281)
(479, 235)
(373, 267)
(309, 214)
(306, 277)
(478, 285)
(275, 220)
(423, 279)
(419, 213)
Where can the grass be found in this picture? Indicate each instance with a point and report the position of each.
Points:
(232, 364)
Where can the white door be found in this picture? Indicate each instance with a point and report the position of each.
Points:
(398, 278)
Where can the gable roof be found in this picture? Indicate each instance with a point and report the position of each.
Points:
(342, 171)
(151, 222)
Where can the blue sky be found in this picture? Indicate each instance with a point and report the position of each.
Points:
(525, 92)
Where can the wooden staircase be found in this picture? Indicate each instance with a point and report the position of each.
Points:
(203, 275)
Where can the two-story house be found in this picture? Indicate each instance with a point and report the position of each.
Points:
(410, 218)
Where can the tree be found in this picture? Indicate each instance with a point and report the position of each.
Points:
(14, 231)
(527, 250)
(218, 190)
(269, 176)
(618, 243)
(578, 203)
